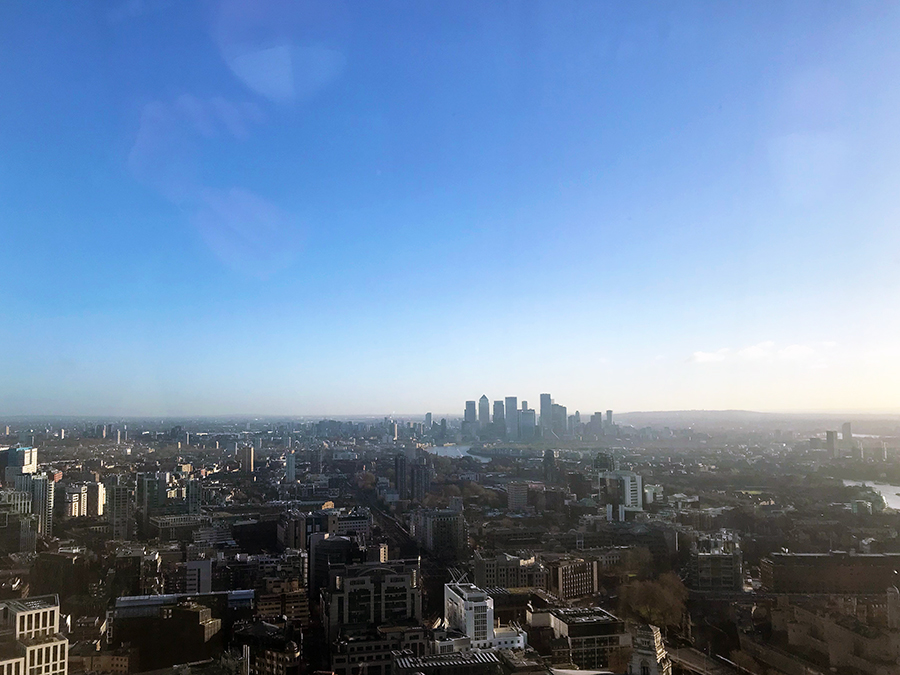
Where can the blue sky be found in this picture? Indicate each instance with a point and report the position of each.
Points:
(328, 208)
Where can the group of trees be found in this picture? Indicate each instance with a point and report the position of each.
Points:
(660, 602)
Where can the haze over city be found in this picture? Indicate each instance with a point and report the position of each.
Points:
(449, 338)
(318, 209)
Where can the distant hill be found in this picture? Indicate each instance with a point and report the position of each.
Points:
(733, 419)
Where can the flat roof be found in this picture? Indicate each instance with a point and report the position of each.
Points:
(33, 604)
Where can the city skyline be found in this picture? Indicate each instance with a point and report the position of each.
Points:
(341, 210)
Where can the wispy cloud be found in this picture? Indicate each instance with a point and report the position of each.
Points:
(769, 352)
(710, 357)
(757, 352)
(242, 229)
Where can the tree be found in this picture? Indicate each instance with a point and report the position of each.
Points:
(660, 602)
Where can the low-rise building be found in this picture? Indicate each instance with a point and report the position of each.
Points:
(469, 612)
(31, 641)
(509, 571)
(586, 637)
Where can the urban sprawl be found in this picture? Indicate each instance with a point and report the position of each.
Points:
(504, 541)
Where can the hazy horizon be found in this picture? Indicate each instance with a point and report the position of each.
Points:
(297, 207)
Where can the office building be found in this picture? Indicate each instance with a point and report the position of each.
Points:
(558, 420)
(623, 488)
(18, 527)
(269, 649)
(826, 635)
(31, 641)
(484, 412)
(517, 496)
(499, 417)
(42, 490)
(716, 563)
(19, 461)
(509, 571)
(831, 443)
(420, 479)
(846, 433)
(527, 429)
(198, 576)
(168, 629)
(470, 414)
(470, 611)
(96, 499)
(401, 476)
(429, 420)
(590, 638)
(512, 418)
(571, 577)
(193, 495)
(609, 418)
(546, 413)
(440, 531)
(119, 512)
(76, 497)
(835, 572)
(247, 456)
(286, 598)
(290, 466)
(377, 593)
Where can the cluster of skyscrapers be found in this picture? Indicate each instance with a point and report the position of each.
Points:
(522, 423)
(26, 501)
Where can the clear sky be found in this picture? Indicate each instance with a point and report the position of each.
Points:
(375, 207)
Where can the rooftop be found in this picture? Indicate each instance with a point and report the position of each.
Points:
(32, 604)
(583, 614)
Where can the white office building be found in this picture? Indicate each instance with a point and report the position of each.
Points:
(469, 611)
(31, 640)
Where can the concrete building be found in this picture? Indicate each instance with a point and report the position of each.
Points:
(119, 512)
(18, 526)
(420, 479)
(76, 497)
(96, 499)
(623, 488)
(546, 413)
(19, 461)
(512, 418)
(269, 649)
(835, 572)
(716, 563)
(509, 571)
(572, 577)
(43, 491)
(590, 638)
(31, 642)
(837, 634)
(440, 530)
(484, 412)
(373, 649)
(517, 496)
(401, 475)
(469, 611)
(290, 466)
(527, 428)
(372, 593)
(470, 416)
(499, 417)
(247, 458)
